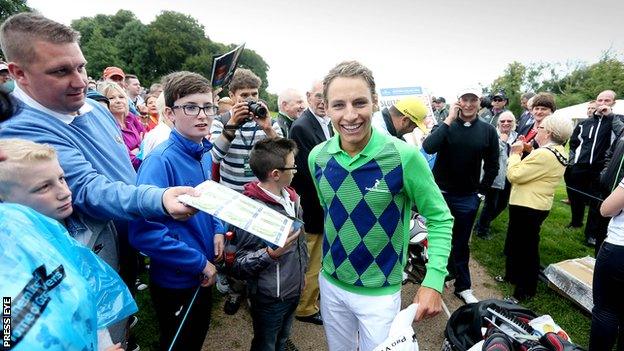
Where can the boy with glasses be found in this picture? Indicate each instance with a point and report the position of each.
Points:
(181, 253)
(276, 276)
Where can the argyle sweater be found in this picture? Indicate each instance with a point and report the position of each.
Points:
(367, 201)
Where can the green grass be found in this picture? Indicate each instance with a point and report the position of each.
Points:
(557, 244)
(146, 330)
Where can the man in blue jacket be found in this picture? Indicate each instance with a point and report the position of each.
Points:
(48, 67)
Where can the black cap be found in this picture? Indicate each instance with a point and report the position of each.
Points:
(440, 99)
(500, 94)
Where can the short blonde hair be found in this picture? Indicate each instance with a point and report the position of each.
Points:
(20, 154)
(106, 87)
(160, 106)
(560, 128)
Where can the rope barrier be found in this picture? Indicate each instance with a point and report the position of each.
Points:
(184, 319)
(584, 193)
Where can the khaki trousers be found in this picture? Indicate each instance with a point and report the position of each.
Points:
(308, 305)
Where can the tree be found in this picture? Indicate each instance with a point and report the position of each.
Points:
(201, 64)
(174, 37)
(135, 51)
(100, 53)
(172, 42)
(11, 7)
(511, 83)
(572, 83)
(109, 26)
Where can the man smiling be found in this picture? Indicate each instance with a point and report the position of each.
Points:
(463, 142)
(51, 79)
(367, 184)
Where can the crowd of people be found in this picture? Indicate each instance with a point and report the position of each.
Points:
(97, 166)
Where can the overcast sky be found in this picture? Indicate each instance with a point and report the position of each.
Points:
(441, 46)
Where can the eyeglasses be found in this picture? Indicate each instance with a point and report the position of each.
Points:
(193, 110)
(505, 121)
(497, 100)
(293, 168)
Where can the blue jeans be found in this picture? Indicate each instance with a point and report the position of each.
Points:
(464, 209)
(272, 322)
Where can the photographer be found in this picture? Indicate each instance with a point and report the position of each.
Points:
(234, 137)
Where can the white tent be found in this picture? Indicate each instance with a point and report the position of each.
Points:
(577, 112)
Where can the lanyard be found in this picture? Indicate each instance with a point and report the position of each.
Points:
(251, 140)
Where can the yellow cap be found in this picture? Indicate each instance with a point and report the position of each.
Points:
(414, 109)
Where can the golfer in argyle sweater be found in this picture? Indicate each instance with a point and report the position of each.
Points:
(367, 184)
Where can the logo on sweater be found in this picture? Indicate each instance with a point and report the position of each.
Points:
(375, 187)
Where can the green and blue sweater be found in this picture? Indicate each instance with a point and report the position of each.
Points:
(367, 201)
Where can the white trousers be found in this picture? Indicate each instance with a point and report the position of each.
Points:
(347, 316)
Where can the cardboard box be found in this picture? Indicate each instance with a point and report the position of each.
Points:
(573, 279)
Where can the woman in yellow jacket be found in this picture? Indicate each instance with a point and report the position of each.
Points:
(533, 180)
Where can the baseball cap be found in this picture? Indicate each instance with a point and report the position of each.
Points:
(469, 90)
(501, 95)
(414, 109)
(113, 71)
(440, 99)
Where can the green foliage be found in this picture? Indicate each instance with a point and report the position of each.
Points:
(511, 82)
(135, 51)
(571, 83)
(172, 42)
(100, 53)
(174, 37)
(11, 7)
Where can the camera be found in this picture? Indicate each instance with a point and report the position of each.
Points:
(257, 110)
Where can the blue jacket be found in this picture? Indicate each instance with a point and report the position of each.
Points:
(95, 160)
(178, 250)
(92, 153)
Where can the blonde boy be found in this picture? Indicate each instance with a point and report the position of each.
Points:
(32, 176)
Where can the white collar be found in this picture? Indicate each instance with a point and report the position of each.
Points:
(65, 118)
(323, 120)
(283, 200)
(284, 196)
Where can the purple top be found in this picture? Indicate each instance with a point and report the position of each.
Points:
(133, 133)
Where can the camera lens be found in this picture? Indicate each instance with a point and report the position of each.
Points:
(257, 109)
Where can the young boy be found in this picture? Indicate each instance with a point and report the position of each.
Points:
(181, 253)
(275, 277)
(30, 175)
(235, 133)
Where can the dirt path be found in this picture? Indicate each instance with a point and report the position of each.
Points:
(235, 332)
